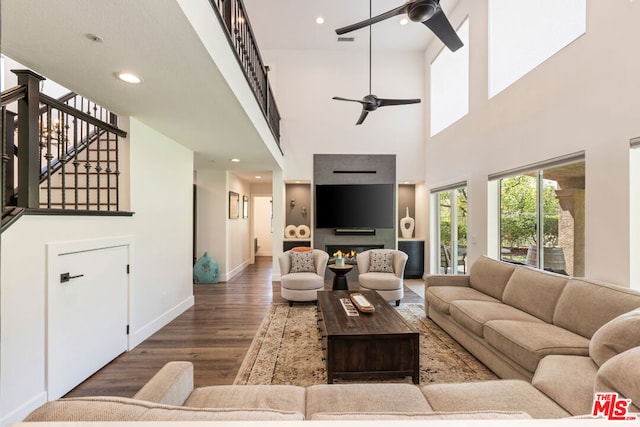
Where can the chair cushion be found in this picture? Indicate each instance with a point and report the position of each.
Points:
(490, 276)
(527, 343)
(380, 281)
(615, 336)
(381, 261)
(302, 281)
(302, 249)
(302, 262)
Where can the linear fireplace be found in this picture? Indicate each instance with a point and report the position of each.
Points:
(349, 251)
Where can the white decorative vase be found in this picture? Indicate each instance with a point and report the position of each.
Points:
(407, 224)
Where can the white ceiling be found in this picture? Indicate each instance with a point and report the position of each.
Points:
(290, 24)
(183, 95)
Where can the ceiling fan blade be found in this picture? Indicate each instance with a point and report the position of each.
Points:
(363, 116)
(384, 102)
(393, 12)
(338, 98)
(441, 27)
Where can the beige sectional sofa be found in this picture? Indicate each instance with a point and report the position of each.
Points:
(555, 341)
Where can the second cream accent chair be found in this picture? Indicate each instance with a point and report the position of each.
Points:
(387, 278)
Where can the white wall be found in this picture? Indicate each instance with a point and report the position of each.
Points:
(160, 279)
(238, 255)
(313, 123)
(161, 196)
(211, 216)
(582, 98)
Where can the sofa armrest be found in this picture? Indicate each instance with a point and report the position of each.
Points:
(461, 280)
(171, 385)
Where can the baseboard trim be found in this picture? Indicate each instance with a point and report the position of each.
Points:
(234, 272)
(23, 410)
(155, 325)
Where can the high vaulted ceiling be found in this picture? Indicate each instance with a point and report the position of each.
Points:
(184, 94)
(290, 24)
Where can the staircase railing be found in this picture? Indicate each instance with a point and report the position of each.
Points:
(64, 158)
(233, 16)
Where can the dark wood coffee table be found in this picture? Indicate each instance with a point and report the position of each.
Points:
(377, 345)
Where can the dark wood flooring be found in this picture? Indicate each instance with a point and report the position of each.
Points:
(214, 334)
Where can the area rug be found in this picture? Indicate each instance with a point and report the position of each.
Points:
(286, 350)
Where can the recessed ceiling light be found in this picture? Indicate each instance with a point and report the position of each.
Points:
(319, 20)
(234, 160)
(129, 78)
(404, 21)
(258, 177)
(94, 37)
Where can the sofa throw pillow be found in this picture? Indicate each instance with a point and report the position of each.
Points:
(615, 336)
(381, 262)
(301, 262)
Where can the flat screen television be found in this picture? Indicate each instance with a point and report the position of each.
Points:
(354, 205)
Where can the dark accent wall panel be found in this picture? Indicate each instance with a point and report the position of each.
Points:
(355, 169)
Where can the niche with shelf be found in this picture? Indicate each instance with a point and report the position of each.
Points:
(298, 211)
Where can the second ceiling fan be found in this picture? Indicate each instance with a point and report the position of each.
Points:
(371, 102)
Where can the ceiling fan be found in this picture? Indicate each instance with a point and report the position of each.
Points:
(427, 12)
(371, 102)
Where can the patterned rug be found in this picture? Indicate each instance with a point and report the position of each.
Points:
(286, 350)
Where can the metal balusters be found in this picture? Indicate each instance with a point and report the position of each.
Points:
(76, 162)
(98, 166)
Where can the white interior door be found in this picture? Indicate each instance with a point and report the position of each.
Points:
(87, 313)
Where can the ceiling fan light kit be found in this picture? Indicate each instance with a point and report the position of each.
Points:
(421, 9)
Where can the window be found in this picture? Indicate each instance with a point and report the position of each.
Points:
(542, 218)
(524, 34)
(450, 84)
(451, 230)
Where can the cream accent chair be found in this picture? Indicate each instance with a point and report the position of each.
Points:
(302, 286)
(390, 286)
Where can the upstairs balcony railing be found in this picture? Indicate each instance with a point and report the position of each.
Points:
(233, 16)
(57, 153)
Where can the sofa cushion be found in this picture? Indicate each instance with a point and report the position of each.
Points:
(584, 306)
(474, 314)
(439, 297)
(370, 398)
(615, 336)
(526, 343)
(123, 409)
(490, 276)
(620, 374)
(459, 415)
(280, 397)
(534, 291)
(497, 395)
(568, 380)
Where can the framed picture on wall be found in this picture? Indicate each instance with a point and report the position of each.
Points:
(245, 207)
(234, 205)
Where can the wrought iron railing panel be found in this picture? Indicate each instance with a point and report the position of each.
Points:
(75, 149)
(233, 16)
